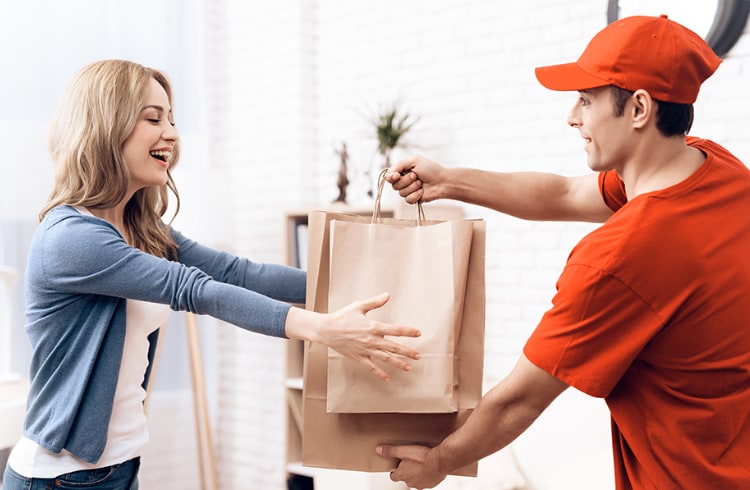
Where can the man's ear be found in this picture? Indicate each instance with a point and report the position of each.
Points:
(643, 109)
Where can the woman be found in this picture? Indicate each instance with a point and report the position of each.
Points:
(104, 271)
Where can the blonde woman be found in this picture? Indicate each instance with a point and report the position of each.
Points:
(105, 271)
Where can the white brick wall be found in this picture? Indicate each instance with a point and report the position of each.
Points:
(262, 141)
(303, 76)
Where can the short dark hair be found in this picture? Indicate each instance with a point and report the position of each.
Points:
(671, 119)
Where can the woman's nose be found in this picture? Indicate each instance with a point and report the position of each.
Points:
(170, 133)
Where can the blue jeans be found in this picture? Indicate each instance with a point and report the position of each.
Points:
(123, 476)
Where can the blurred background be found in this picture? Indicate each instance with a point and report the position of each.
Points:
(266, 94)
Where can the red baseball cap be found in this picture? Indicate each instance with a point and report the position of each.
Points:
(655, 54)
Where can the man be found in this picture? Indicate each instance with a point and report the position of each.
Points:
(652, 310)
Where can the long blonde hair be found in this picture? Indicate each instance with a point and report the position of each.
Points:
(99, 111)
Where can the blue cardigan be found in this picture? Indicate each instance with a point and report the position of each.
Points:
(80, 273)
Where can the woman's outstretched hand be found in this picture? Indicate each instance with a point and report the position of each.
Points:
(349, 332)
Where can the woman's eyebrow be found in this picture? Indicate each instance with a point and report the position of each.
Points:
(157, 107)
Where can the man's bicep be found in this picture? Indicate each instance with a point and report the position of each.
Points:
(544, 386)
(528, 388)
(585, 200)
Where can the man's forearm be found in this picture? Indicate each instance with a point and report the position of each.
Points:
(492, 426)
(528, 195)
(504, 413)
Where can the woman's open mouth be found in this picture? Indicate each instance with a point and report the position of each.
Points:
(162, 155)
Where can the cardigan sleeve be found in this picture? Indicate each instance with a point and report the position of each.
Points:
(273, 280)
(86, 255)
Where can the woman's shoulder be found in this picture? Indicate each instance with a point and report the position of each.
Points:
(71, 216)
(67, 225)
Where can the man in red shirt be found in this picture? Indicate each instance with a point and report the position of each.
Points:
(652, 308)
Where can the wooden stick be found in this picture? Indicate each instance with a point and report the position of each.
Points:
(203, 426)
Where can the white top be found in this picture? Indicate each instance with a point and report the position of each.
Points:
(127, 428)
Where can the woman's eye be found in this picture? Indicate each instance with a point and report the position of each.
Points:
(155, 121)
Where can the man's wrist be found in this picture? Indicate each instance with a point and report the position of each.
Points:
(439, 460)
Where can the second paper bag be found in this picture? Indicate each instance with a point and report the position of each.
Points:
(423, 267)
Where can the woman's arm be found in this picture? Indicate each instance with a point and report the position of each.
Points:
(276, 281)
(347, 331)
(83, 257)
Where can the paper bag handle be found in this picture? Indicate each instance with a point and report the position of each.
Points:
(376, 213)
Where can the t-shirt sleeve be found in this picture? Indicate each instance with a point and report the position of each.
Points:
(612, 189)
(595, 329)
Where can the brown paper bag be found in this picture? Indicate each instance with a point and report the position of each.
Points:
(423, 266)
(347, 440)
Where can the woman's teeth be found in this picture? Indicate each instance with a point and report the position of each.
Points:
(161, 155)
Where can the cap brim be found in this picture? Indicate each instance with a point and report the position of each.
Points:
(568, 77)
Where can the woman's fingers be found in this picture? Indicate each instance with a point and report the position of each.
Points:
(395, 360)
(392, 347)
(373, 347)
(385, 357)
(374, 368)
(382, 329)
(373, 303)
(393, 353)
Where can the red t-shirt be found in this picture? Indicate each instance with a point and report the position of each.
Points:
(652, 312)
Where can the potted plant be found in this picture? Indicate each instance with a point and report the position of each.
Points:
(390, 126)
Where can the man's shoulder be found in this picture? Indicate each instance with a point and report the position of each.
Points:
(711, 147)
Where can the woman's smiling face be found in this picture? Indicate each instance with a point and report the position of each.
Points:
(148, 149)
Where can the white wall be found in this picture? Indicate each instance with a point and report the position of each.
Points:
(271, 89)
